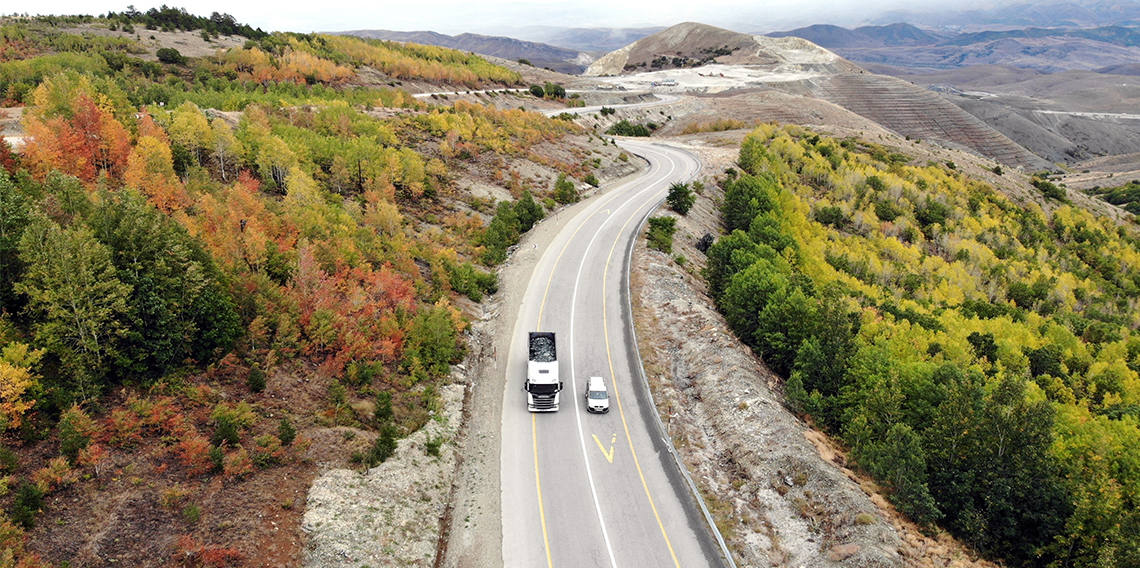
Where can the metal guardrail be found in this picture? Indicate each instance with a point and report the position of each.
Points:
(645, 384)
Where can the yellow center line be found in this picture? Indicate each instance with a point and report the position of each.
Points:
(550, 279)
(538, 485)
(533, 420)
(621, 409)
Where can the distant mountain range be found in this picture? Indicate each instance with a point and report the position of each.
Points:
(593, 40)
(1048, 50)
(1089, 14)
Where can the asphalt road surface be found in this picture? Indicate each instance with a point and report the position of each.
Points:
(579, 489)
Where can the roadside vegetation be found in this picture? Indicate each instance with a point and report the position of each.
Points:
(978, 357)
(1126, 196)
(186, 290)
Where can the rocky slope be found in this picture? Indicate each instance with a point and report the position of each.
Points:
(692, 45)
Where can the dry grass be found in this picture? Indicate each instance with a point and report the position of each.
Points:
(718, 125)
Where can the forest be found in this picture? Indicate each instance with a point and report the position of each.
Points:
(977, 356)
(176, 234)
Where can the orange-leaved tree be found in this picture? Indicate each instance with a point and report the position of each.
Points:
(72, 128)
(150, 169)
(352, 314)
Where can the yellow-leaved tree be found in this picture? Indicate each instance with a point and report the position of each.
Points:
(16, 380)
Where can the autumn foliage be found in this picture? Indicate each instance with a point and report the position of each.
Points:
(84, 143)
(167, 261)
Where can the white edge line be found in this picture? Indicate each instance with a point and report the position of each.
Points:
(645, 383)
(573, 376)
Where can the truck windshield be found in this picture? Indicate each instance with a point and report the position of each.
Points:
(598, 395)
(543, 389)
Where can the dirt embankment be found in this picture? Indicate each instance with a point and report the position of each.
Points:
(780, 491)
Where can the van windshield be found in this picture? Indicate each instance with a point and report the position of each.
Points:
(598, 395)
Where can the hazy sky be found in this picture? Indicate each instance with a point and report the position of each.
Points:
(456, 16)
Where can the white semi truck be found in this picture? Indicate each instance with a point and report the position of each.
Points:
(542, 384)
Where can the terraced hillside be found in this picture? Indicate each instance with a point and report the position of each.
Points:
(919, 113)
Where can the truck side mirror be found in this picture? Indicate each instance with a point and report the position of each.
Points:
(560, 385)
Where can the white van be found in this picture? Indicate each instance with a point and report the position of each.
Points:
(597, 399)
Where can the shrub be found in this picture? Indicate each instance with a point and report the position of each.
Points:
(383, 412)
(660, 234)
(237, 464)
(55, 474)
(832, 216)
(680, 198)
(286, 432)
(194, 453)
(554, 91)
(501, 233)
(606, 111)
(592, 180)
(170, 55)
(432, 445)
(528, 212)
(256, 379)
(75, 431)
(29, 499)
(382, 448)
(267, 451)
(1048, 189)
(174, 496)
(9, 461)
(125, 428)
(626, 128)
(191, 513)
(564, 190)
(537, 91)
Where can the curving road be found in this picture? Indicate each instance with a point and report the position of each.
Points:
(578, 489)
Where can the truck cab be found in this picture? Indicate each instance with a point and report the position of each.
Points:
(542, 385)
(597, 397)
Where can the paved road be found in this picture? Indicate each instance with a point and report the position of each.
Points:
(583, 490)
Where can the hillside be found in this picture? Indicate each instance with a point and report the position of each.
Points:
(797, 66)
(692, 45)
(1047, 50)
(997, 404)
(582, 39)
(838, 38)
(559, 59)
(222, 276)
(1052, 14)
(1073, 117)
